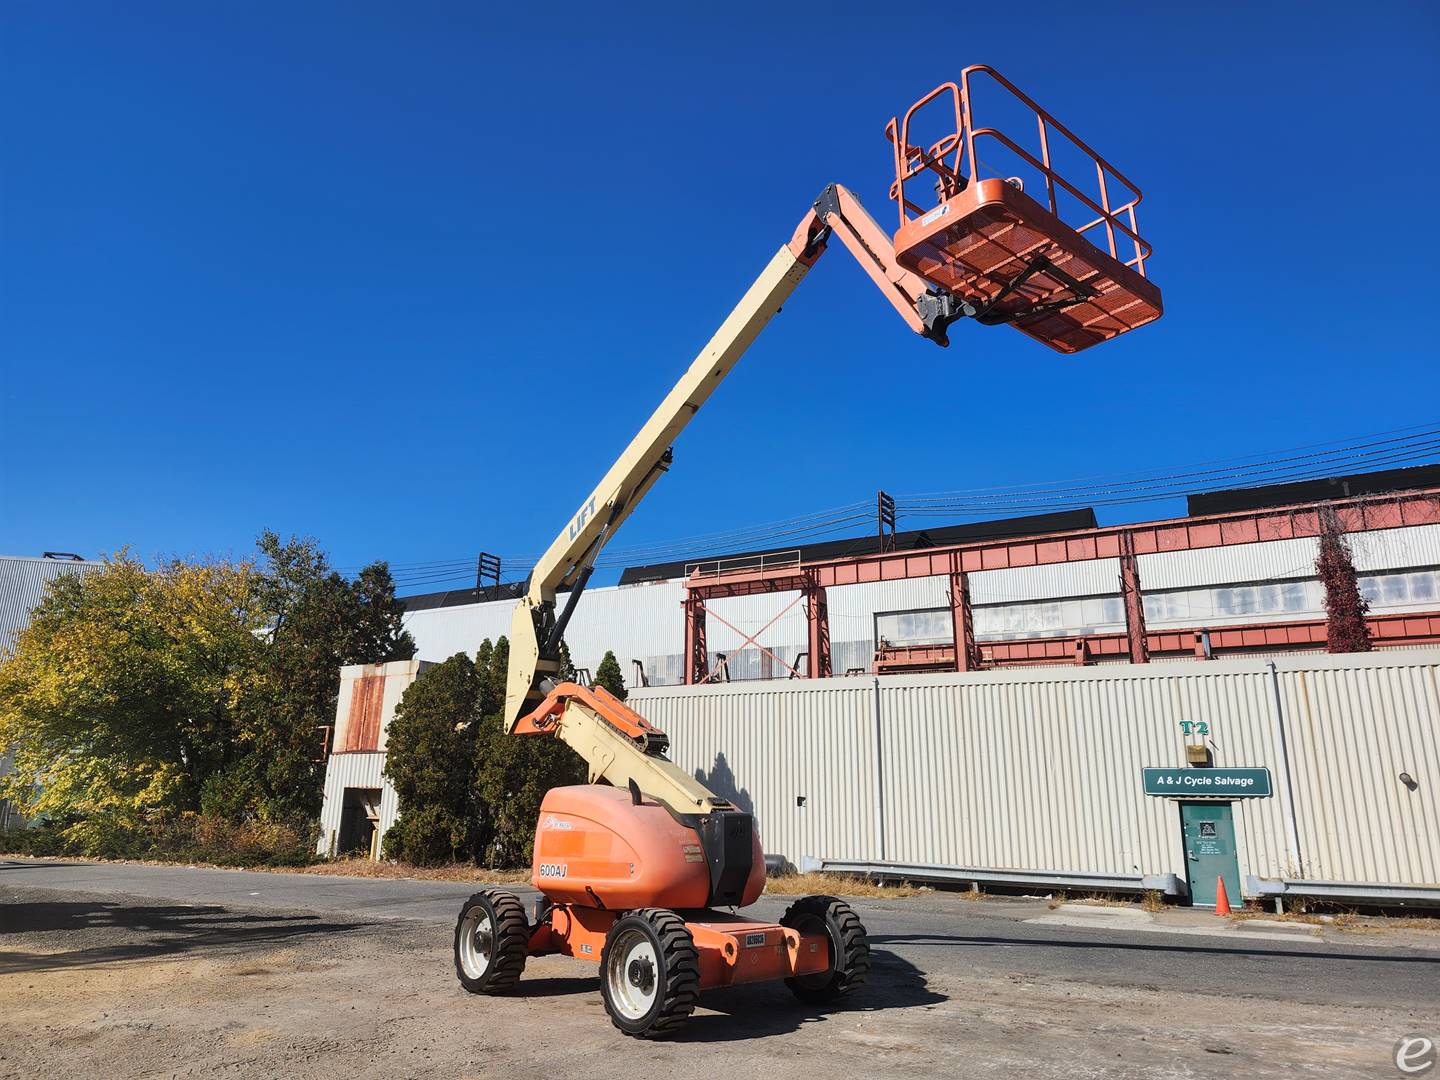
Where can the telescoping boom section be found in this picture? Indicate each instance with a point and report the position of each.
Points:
(633, 863)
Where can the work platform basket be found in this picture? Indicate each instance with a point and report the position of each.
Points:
(1058, 256)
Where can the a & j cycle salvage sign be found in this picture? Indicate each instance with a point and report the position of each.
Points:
(1207, 783)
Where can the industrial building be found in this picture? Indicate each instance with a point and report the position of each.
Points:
(359, 804)
(1234, 578)
(850, 685)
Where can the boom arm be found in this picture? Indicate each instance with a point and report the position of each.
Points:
(619, 747)
(537, 626)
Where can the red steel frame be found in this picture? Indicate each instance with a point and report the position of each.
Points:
(1420, 628)
(1124, 543)
(817, 636)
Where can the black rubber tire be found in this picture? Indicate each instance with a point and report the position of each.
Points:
(510, 933)
(849, 948)
(677, 974)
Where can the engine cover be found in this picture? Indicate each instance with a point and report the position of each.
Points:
(596, 847)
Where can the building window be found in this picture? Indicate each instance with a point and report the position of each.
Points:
(930, 626)
(1423, 585)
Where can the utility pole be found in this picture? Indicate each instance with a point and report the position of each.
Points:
(487, 566)
(885, 519)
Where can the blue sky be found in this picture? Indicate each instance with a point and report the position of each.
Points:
(407, 277)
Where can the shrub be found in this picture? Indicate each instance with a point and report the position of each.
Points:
(608, 675)
(186, 837)
(430, 760)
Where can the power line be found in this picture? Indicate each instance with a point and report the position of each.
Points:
(1156, 492)
(1399, 446)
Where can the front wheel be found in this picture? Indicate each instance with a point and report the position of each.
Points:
(649, 972)
(849, 948)
(492, 939)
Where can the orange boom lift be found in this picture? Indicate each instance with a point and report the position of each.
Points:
(634, 865)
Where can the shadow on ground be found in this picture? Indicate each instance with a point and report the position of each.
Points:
(760, 1009)
(139, 931)
(1121, 946)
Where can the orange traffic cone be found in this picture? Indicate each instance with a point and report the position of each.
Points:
(1222, 902)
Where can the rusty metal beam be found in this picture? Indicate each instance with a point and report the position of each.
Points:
(817, 620)
(1410, 628)
(697, 657)
(1134, 600)
(962, 621)
(1180, 534)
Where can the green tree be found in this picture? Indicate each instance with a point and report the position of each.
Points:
(431, 763)
(513, 772)
(468, 788)
(136, 695)
(567, 666)
(319, 622)
(607, 674)
(128, 692)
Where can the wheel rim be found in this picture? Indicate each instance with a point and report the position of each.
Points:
(477, 942)
(633, 974)
(813, 924)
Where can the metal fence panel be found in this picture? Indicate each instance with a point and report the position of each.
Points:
(1040, 769)
(1353, 729)
(765, 746)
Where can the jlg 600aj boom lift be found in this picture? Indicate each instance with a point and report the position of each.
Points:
(634, 864)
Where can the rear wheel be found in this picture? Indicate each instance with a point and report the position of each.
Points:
(649, 972)
(492, 939)
(849, 948)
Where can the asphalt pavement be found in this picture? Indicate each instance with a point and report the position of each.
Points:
(942, 935)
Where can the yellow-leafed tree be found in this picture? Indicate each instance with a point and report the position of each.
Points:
(126, 692)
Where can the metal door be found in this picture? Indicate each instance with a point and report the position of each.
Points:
(1208, 830)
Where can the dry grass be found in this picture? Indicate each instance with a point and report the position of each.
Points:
(1413, 922)
(836, 885)
(1352, 921)
(788, 885)
(1151, 900)
(366, 868)
(347, 867)
(1105, 899)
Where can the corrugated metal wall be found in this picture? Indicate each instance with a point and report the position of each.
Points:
(1352, 730)
(1276, 560)
(764, 745)
(22, 586)
(1040, 770)
(365, 705)
(353, 771)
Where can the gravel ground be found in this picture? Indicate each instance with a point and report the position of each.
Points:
(105, 985)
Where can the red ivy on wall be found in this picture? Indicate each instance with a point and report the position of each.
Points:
(1346, 630)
